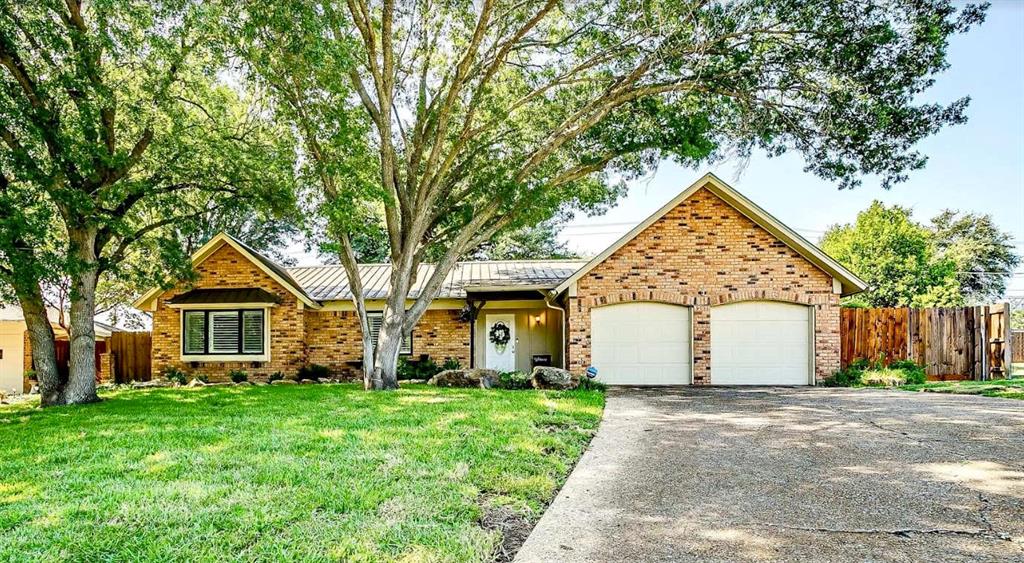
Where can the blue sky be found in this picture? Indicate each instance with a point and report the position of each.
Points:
(978, 166)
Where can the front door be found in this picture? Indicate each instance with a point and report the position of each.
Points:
(501, 342)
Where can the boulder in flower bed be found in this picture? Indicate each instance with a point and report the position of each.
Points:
(482, 378)
(544, 377)
(284, 382)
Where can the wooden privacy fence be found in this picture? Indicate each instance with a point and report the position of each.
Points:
(951, 343)
(1017, 345)
(130, 359)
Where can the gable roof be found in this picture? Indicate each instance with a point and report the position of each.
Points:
(328, 283)
(848, 280)
(271, 268)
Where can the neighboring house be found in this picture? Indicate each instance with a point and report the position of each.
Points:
(710, 289)
(16, 352)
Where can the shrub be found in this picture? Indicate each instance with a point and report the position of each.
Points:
(174, 375)
(514, 380)
(31, 375)
(276, 376)
(879, 373)
(913, 373)
(846, 377)
(423, 369)
(238, 376)
(451, 363)
(201, 377)
(588, 384)
(312, 371)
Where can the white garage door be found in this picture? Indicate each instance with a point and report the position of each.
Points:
(760, 343)
(641, 344)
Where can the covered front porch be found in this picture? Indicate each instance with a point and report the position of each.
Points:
(516, 331)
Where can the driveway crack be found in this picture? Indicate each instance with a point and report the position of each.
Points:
(988, 533)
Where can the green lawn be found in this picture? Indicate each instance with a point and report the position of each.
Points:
(311, 472)
(1006, 388)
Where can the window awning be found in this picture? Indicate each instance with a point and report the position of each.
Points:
(224, 296)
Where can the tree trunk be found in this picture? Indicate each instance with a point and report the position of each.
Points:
(81, 386)
(42, 341)
(389, 344)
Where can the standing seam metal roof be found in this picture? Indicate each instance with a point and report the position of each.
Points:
(327, 283)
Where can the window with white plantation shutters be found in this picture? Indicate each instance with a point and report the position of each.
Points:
(252, 332)
(376, 319)
(195, 332)
(224, 332)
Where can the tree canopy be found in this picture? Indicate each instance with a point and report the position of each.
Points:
(117, 113)
(462, 119)
(958, 258)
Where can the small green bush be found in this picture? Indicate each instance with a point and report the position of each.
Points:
(238, 376)
(877, 374)
(276, 376)
(451, 363)
(588, 384)
(174, 375)
(514, 380)
(422, 369)
(31, 375)
(914, 374)
(312, 371)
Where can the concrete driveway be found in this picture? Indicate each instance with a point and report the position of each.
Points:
(726, 474)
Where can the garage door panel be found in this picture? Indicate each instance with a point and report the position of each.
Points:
(760, 343)
(641, 344)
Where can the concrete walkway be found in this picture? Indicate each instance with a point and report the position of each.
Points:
(755, 474)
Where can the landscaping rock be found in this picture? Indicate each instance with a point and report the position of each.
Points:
(309, 381)
(544, 377)
(196, 383)
(151, 384)
(468, 378)
(284, 382)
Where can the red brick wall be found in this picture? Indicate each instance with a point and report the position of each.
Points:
(333, 339)
(702, 253)
(226, 267)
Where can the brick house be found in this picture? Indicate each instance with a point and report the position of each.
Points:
(710, 289)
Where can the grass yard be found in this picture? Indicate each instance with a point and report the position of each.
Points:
(1006, 388)
(310, 472)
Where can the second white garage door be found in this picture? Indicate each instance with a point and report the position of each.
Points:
(760, 343)
(641, 344)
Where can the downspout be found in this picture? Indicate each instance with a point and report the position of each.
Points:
(565, 318)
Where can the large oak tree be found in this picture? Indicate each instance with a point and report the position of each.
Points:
(119, 114)
(486, 115)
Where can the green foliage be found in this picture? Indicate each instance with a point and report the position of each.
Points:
(516, 380)
(1017, 319)
(957, 258)
(588, 384)
(238, 376)
(896, 257)
(984, 255)
(174, 375)
(878, 373)
(202, 377)
(913, 374)
(1003, 388)
(451, 363)
(276, 376)
(238, 448)
(312, 372)
(421, 369)
(30, 375)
